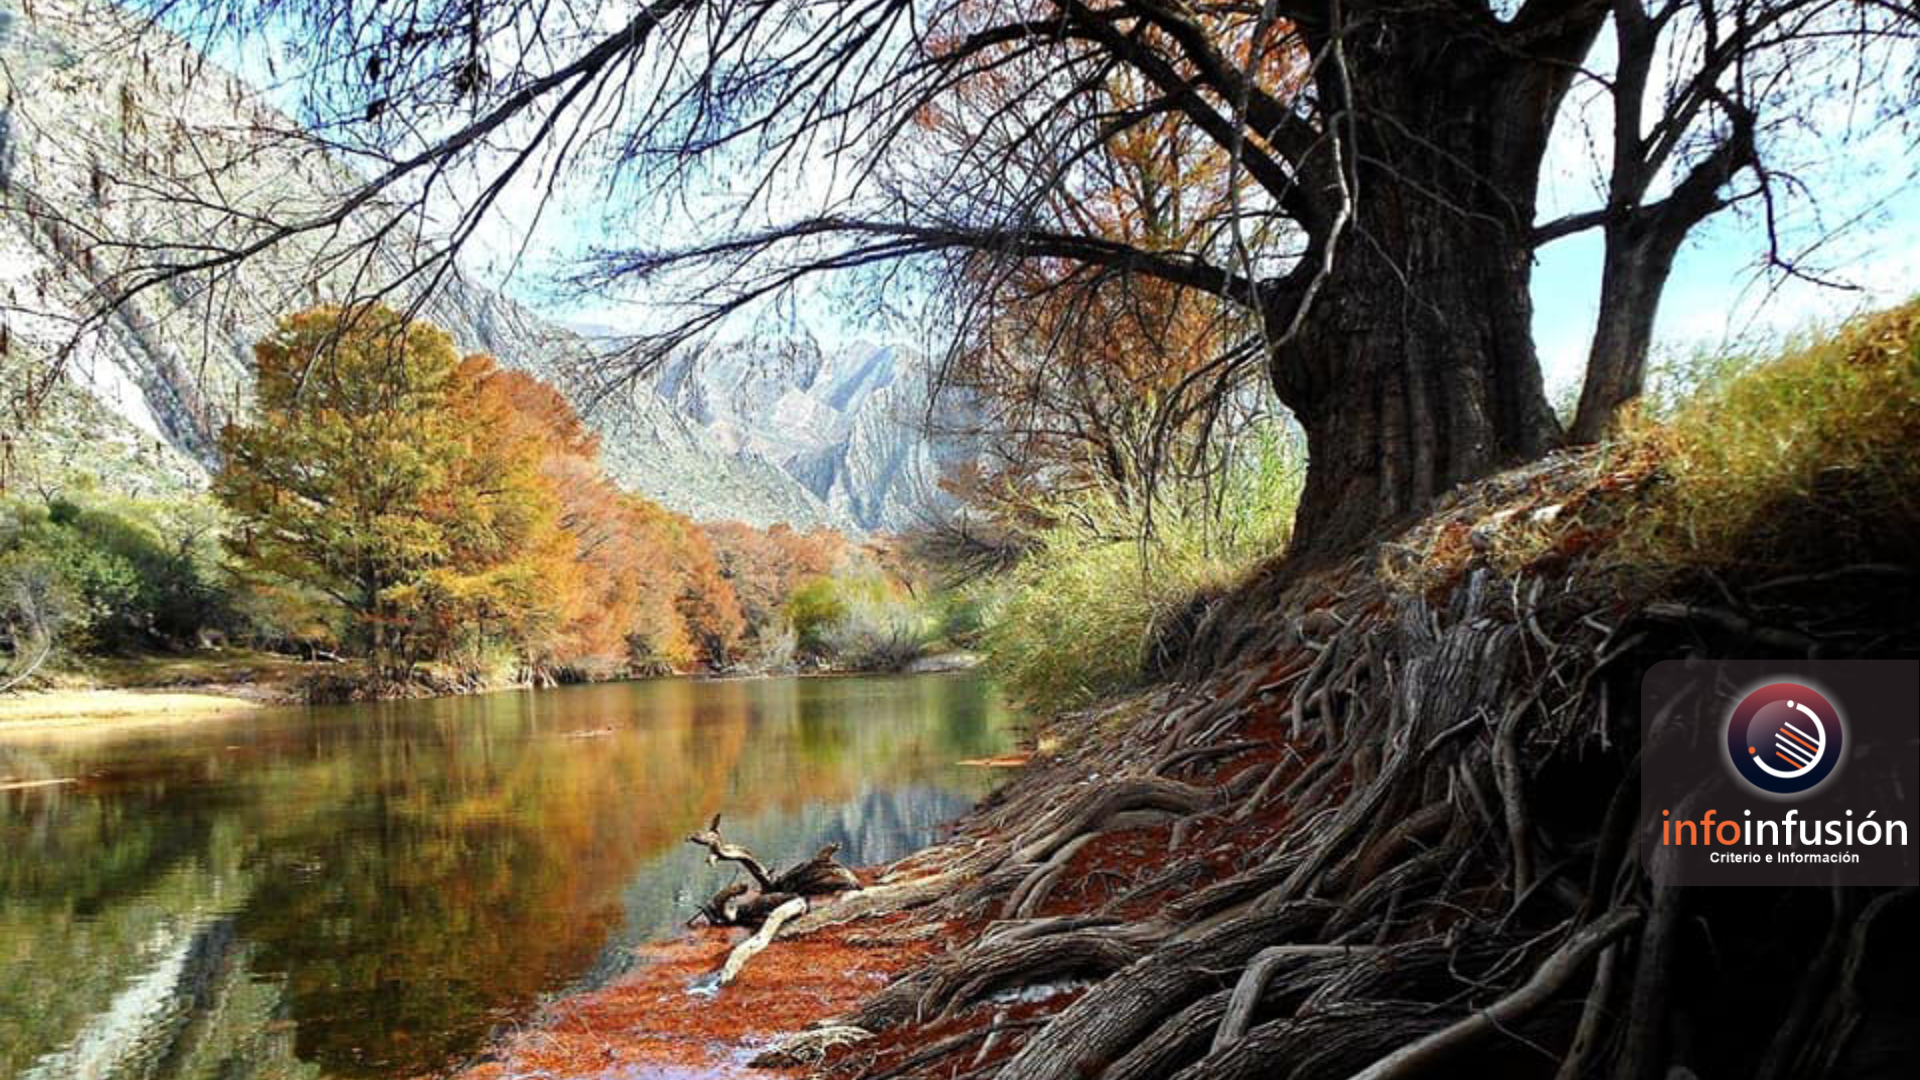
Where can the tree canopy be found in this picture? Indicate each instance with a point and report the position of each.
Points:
(372, 473)
(1369, 203)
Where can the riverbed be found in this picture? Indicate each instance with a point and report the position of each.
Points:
(373, 890)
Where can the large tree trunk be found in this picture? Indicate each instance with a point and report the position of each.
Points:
(1406, 391)
(1414, 368)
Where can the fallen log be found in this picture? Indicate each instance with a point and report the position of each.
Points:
(741, 904)
(719, 851)
(821, 875)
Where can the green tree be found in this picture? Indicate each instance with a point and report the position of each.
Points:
(812, 610)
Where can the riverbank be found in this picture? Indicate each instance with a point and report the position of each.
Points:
(164, 689)
(880, 945)
(650, 1020)
(157, 689)
(46, 710)
(1385, 815)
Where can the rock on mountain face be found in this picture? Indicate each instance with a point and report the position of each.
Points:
(99, 142)
(851, 425)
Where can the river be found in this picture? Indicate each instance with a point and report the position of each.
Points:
(369, 890)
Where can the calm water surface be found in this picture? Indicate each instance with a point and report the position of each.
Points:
(368, 890)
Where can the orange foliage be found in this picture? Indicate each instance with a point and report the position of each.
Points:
(454, 510)
(639, 584)
(765, 566)
(1087, 375)
(1077, 365)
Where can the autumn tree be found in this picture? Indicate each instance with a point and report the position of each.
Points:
(701, 614)
(374, 471)
(1077, 375)
(766, 566)
(639, 584)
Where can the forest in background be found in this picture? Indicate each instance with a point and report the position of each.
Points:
(437, 522)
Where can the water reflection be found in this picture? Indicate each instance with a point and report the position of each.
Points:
(365, 891)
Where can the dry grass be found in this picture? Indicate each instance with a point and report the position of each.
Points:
(1808, 458)
(1813, 455)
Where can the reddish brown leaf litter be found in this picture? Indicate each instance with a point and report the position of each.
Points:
(648, 1026)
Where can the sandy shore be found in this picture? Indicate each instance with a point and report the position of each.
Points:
(57, 709)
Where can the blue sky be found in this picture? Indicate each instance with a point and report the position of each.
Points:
(1719, 296)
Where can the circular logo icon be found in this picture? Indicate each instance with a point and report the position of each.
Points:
(1784, 738)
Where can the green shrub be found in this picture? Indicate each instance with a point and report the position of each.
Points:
(139, 573)
(36, 609)
(877, 631)
(1074, 620)
(858, 621)
(813, 608)
(960, 617)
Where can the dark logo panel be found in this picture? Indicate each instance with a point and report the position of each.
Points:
(1780, 772)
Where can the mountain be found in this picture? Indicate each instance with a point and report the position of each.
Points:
(852, 425)
(104, 146)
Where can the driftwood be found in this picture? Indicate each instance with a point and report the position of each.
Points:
(766, 905)
(740, 904)
(763, 937)
(719, 851)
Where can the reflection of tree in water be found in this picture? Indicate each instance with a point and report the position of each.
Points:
(370, 890)
(157, 986)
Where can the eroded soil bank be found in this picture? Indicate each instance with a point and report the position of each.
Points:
(1383, 826)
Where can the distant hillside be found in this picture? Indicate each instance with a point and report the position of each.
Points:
(851, 426)
(90, 140)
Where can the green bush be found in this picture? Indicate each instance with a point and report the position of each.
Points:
(814, 608)
(1074, 620)
(960, 617)
(877, 631)
(36, 609)
(862, 622)
(137, 573)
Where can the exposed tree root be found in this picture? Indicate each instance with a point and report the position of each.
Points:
(1385, 830)
(1432, 1051)
(809, 1047)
